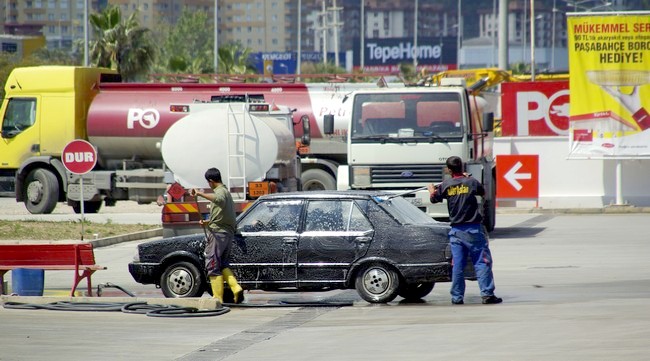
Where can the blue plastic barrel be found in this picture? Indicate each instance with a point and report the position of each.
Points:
(27, 282)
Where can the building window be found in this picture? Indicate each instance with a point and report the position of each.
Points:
(51, 4)
(64, 4)
(50, 29)
(80, 4)
(9, 47)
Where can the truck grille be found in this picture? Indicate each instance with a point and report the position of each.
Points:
(407, 173)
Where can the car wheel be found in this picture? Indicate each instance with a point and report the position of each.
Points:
(182, 279)
(377, 283)
(412, 292)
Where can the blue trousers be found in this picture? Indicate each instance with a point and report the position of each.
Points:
(470, 241)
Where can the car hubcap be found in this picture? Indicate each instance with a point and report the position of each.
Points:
(376, 280)
(180, 281)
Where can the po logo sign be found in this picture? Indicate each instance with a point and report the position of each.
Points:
(535, 108)
(147, 118)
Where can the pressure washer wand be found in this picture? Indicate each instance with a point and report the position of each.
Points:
(198, 210)
(381, 199)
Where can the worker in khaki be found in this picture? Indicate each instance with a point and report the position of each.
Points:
(220, 230)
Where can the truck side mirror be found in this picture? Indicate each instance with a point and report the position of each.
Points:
(488, 122)
(306, 130)
(328, 124)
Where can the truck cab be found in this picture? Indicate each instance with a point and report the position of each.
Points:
(44, 108)
(399, 140)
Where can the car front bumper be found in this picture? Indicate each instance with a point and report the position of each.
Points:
(145, 273)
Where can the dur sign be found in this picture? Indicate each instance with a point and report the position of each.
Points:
(79, 157)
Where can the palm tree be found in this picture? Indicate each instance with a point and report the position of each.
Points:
(234, 59)
(121, 45)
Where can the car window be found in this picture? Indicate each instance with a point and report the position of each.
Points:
(405, 212)
(272, 216)
(335, 216)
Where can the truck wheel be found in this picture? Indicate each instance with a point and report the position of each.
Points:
(413, 292)
(41, 191)
(89, 206)
(377, 283)
(317, 180)
(182, 279)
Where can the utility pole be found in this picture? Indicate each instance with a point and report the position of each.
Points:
(503, 35)
(85, 35)
(323, 15)
(336, 25)
(363, 34)
(459, 32)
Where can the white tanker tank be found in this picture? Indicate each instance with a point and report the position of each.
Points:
(246, 142)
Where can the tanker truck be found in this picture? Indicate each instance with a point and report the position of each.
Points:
(400, 139)
(48, 106)
(251, 143)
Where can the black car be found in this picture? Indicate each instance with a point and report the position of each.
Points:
(381, 245)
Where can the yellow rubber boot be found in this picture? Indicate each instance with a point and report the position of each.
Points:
(216, 282)
(236, 289)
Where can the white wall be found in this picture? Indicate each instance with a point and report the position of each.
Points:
(567, 183)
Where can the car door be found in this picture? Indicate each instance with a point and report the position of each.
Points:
(335, 234)
(266, 242)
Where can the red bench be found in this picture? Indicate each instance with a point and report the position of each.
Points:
(79, 257)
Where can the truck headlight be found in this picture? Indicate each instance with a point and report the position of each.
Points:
(361, 176)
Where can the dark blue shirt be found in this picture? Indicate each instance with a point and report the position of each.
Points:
(460, 193)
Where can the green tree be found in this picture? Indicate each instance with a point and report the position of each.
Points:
(121, 45)
(235, 59)
(188, 47)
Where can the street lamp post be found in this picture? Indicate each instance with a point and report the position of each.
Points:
(532, 40)
(553, 37)
(216, 37)
(298, 61)
(415, 38)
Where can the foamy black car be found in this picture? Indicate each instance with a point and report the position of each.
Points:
(382, 246)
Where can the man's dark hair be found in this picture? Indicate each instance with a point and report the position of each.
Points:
(213, 174)
(455, 164)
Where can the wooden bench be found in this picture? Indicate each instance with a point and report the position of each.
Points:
(79, 257)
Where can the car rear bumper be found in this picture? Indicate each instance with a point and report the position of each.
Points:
(145, 273)
(426, 272)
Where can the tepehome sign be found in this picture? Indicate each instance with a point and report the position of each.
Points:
(535, 108)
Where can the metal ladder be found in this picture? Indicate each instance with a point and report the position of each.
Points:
(237, 137)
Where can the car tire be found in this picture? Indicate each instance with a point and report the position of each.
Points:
(182, 279)
(41, 191)
(377, 283)
(416, 291)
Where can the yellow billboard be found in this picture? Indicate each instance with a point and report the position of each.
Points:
(609, 85)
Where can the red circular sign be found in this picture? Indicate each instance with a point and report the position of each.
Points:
(79, 157)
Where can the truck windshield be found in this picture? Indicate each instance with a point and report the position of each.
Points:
(20, 115)
(428, 115)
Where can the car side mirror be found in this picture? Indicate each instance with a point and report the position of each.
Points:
(488, 122)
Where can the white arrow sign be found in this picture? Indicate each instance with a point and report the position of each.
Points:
(512, 176)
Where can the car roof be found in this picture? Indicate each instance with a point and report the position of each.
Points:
(349, 194)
